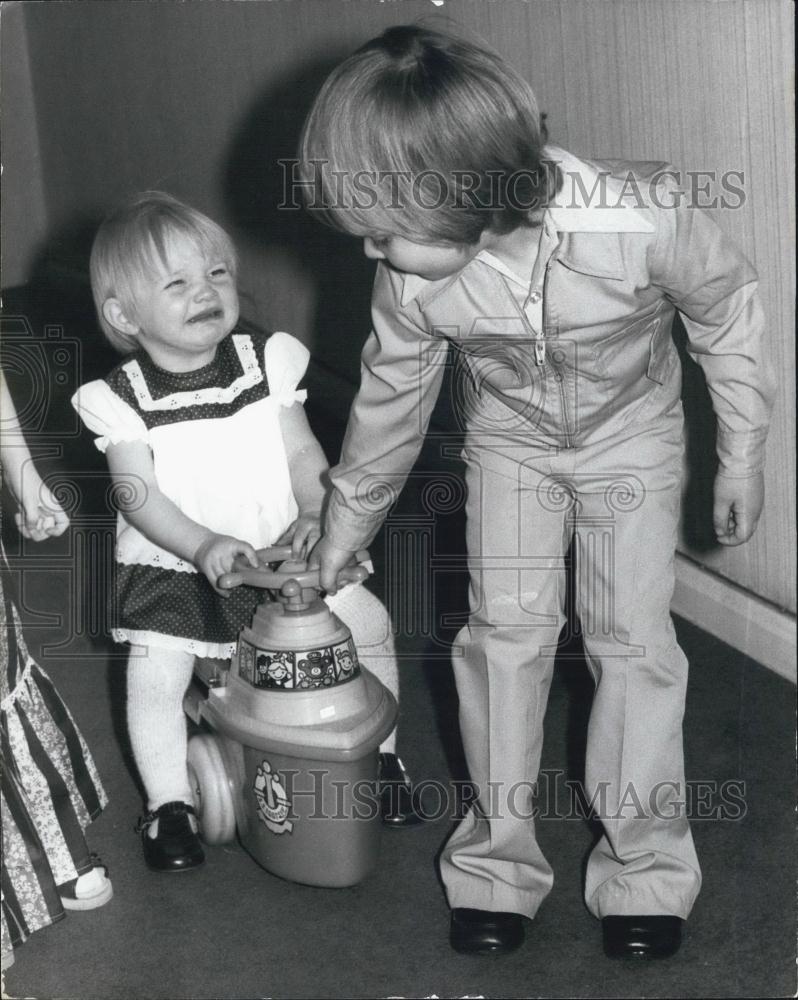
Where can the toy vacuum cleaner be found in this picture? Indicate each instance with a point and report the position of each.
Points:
(291, 758)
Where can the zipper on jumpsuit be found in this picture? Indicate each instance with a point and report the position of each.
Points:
(540, 358)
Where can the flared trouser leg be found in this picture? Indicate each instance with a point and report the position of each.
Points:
(503, 660)
(645, 861)
(522, 515)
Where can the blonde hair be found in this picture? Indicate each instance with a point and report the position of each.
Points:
(133, 239)
(428, 112)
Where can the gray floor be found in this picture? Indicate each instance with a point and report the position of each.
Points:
(232, 930)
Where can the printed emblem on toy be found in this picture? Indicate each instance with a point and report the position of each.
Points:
(246, 661)
(347, 662)
(272, 799)
(275, 669)
(316, 669)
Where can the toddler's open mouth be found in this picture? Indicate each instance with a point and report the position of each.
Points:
(206, 314)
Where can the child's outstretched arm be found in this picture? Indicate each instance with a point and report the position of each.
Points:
(402, 370)
(308, 466)
(163, 523)
(40, 515)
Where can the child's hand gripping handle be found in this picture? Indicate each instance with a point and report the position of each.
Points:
(268, 579)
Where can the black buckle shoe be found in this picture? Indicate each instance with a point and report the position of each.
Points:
(397, 799)
(641, 937)
(485, 932)
(176, 847)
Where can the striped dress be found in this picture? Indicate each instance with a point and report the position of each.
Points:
(49, 788)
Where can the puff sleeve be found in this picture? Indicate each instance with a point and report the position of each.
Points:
(109, 417)
(285, 360)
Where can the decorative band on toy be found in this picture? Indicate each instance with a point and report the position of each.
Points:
(291, 670)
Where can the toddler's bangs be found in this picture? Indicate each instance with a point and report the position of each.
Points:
(143, 248)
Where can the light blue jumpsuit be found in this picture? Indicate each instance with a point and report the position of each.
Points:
(568, 387)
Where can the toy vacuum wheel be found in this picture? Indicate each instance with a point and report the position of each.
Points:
(213, 797)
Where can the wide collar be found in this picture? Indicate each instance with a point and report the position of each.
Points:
(593, 201)
(589, 201)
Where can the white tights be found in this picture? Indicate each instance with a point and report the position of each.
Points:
(157, 679)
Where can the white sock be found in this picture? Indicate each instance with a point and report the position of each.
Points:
(367, 619)
(156, 683)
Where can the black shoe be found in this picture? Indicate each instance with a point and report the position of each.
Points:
(485, 932)
(175, 847)
(397, 799)
(641, 937)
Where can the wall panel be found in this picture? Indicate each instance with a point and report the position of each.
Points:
(23, 212)
(201, 98)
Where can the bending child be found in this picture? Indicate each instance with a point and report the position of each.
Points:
(203, 426)
(555, 280)
(50, 787)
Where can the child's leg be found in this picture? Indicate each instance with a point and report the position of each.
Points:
(645, 864)
(54, 774)
(50, 793)
(503, 662)
(367, 619)
(157, 680)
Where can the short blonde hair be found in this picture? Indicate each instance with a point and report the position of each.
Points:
(432, 114)
(131, 241)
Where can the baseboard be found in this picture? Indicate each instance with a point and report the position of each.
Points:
(737, 617)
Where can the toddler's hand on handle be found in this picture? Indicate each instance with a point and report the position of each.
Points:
(216, 555)
(738, 504)
(331, 560)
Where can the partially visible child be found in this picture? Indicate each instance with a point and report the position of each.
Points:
(204, 425)
(49, 787)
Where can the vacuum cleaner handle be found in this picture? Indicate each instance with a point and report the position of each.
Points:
(297, 571)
